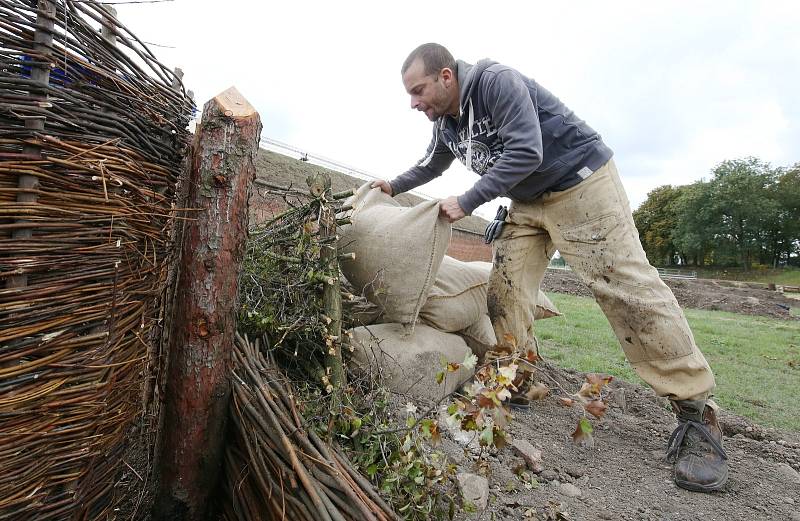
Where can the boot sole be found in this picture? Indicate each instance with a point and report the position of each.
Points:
(695, 487)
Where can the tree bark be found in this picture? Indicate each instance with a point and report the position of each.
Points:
(206, 301)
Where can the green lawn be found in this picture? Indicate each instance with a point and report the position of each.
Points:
(756, 360)
(780, 276)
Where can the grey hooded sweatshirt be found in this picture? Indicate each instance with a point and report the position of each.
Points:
(521, 139)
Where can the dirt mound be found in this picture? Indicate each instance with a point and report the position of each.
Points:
(697, 294)
(624, 475)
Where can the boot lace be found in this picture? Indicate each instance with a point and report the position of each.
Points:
(678, 435)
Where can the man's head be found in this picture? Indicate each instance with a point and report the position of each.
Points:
(429, 76)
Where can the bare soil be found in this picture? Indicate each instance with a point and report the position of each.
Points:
(624, 476)
(696, 293)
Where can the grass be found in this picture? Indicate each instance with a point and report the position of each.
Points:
(789, 276)
(756, 360)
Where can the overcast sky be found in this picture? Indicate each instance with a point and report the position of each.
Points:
(673, 87)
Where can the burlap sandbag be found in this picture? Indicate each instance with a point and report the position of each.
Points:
(398, 251)
(479, 336)
(409, 363)
(458, 296)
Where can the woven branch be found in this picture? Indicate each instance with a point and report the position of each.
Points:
(77, 340)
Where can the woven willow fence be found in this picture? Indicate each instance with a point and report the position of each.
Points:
(92, 132)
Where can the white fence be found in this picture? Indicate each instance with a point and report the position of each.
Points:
(664, 273)
(676, 274)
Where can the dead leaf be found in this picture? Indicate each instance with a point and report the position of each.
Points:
(598, 381)
(596, 408)
(436, 435)
(452, 367)
(485, 402)
(501, 417)
(566, 402)
(537, 391)
(499, 438)
(586, 392)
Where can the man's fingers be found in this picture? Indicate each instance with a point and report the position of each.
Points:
(383, 185)
(450, 209)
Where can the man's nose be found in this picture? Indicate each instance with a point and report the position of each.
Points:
(414, 102)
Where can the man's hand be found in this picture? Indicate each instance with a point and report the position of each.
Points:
(451, 210)
(383, 185)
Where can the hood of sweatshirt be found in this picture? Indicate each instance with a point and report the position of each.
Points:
(468, 76)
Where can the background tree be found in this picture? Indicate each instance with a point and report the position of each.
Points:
(747, 212)
(695, 227)
(656, 220)
(742, 207)
(786, 192)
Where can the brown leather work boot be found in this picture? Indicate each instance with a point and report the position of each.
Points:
(695, 446)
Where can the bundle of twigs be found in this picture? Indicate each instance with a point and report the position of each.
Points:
(276, 468)
(92, 133)
(283, 277)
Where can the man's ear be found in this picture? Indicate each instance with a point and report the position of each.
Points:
(447, 75)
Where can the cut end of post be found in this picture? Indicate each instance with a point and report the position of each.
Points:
(233, 104)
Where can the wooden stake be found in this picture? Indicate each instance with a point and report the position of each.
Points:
(29, 184)
(320, 185)
(204, 323)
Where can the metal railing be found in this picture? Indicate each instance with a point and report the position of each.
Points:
(664, 273)
(325, 162)
(286, 149)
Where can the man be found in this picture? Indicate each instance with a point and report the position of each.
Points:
(566, 196)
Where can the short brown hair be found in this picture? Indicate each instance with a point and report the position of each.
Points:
(435, 57)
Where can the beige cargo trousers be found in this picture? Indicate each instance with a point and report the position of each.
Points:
(592, 226)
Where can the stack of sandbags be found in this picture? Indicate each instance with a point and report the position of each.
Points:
(457, 303)
(432, 308)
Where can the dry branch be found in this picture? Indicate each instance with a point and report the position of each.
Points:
(275, 467)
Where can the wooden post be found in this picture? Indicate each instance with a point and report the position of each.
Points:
(198, 386)
(320, 186)
(106, 29)
(28, 184)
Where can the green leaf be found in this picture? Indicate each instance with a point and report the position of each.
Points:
(425, 427)
(583, 432)
(439, 377)
(487, 436)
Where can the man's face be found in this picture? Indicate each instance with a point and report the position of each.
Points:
(435, 95)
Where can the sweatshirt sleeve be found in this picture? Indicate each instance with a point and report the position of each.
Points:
(509, 102)
(437, 159)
